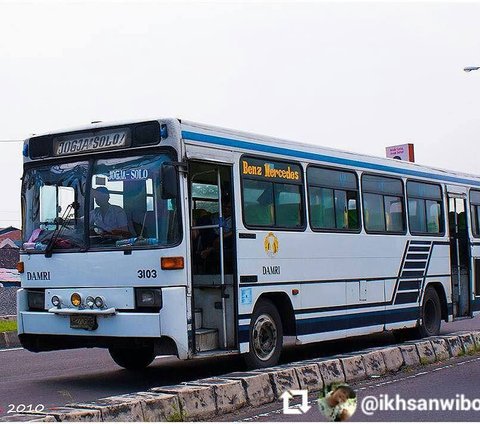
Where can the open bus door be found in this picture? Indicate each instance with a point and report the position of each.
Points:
(460, 254)
(213, 256)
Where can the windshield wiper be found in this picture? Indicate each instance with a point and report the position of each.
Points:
(63, 220)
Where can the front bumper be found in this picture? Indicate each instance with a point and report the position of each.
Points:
(53, 328)
(126, 324)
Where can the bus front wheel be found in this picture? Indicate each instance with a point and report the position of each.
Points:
(266, 336)
(133, 358)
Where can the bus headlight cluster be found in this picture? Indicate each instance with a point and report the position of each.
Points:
(56, 301)
(90, 301)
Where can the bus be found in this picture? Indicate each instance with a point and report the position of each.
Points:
(169, 237)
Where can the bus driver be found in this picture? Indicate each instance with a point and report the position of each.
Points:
(107, 218)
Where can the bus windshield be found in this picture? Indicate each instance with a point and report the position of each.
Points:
(53, 196)
(106, 203)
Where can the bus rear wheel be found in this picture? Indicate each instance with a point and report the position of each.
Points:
(266, 336)
(132, 358)
(431, 314)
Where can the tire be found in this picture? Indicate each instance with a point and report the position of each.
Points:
(266, 336)
(431, 315)
(132, 359)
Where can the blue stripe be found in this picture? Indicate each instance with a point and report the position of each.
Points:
(248, 145)
(344, 322)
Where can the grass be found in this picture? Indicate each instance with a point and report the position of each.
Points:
(8, 326)
(177, 416)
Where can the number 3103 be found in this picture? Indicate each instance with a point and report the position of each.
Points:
(147, 273)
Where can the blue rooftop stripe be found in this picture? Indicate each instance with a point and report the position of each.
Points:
(248, 145)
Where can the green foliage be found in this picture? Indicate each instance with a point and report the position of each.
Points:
(471, 350)
(8, 326)
(424, 361)
(177, 416)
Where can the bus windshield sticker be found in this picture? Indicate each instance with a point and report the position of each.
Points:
(128, 174)
(246, 296)
(90, 142)
(271, 170)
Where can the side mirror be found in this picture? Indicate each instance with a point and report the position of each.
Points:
(169, 181)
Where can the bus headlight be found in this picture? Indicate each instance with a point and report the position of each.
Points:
(90, 301)
(148, 298)
(36, 300)
(56, 301)
(99, 302)
(76, 299)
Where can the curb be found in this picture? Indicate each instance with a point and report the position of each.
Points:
(9, 339)
(208, 398)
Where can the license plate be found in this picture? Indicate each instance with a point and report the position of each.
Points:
(83, 322)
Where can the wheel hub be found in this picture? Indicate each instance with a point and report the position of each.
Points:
(264, 337)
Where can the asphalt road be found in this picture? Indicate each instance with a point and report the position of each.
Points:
(56, 378)
(447, 381)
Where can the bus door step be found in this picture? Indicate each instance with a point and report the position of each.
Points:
(206, 339)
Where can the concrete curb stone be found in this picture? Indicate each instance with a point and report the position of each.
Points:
(331, 371)
(115, 408)
(196, 402)
(410, 355)
(72, 414)
(283, 379)
(393, 358)
(476, 339)
(257, 385)
(8, 318)
(309, 377)
(12, 339)
(158, 406)
(454, 345)
(229, 394)
(426, 352)
(354, 368)
(374, 363)
(440, 346)
(28, 417)
(468, 343)
(9, 339)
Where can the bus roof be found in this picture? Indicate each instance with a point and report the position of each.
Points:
(306, 151)
(229, 138)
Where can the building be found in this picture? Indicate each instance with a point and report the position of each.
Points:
(10, 241)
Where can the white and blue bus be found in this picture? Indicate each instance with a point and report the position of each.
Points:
(171, 237)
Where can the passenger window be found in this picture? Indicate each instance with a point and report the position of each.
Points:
(272, 194)
(374, 212)
(383, 201)
(258, 203)
(475, 211)
(425, 214)
(333, 199)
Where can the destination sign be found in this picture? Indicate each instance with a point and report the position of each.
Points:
(270, 170)
(128, 174)
(91, 142)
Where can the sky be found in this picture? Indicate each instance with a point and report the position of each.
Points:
(357, 76)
